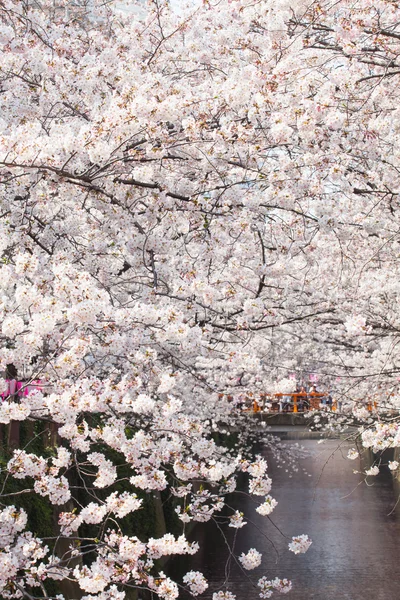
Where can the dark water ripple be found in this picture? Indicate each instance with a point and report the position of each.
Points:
(355, 553)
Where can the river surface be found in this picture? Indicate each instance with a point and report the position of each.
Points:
(355, 553)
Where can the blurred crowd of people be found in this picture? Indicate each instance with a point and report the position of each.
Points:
(304, 398)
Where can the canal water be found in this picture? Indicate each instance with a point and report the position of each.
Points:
(355, 554)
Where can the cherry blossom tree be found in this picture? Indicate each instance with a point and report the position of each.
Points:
(193, 204)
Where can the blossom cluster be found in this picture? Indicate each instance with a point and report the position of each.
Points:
(300, 544)
(196, 582)
(268, 587)
(267, 507)
(251, 560)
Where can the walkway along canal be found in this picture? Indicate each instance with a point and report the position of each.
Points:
(355, 530)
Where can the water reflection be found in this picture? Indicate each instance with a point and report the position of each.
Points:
(355, 551)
